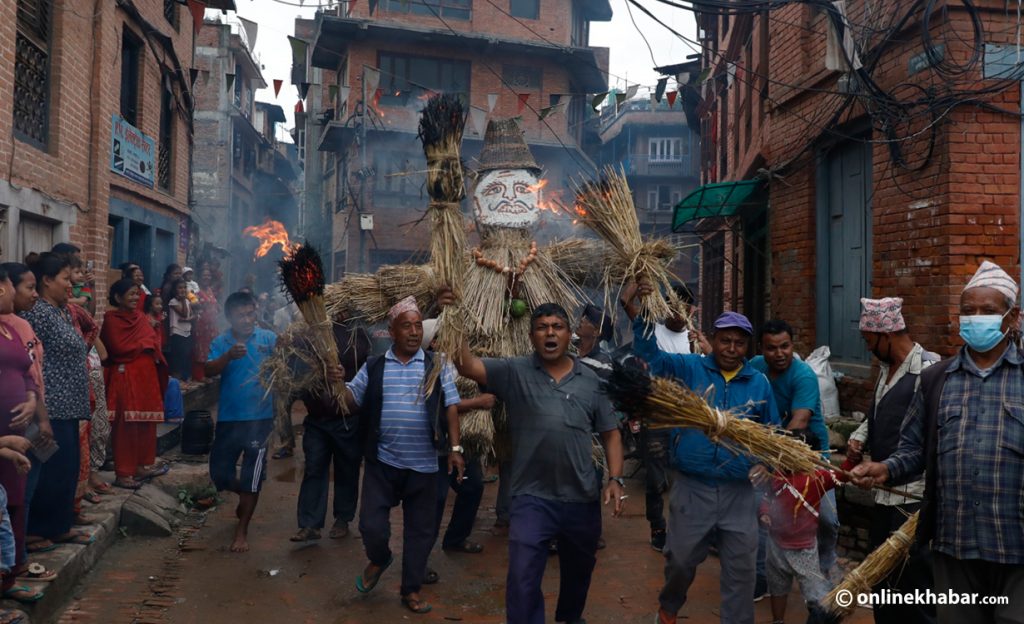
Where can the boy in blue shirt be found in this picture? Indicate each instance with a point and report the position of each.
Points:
(245, 417)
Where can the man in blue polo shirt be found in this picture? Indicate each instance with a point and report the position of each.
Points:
(798, 398)
(245, 415)
(712, 498)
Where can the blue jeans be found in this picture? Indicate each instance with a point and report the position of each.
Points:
(8, 553)
(324, 442)
(534, 523)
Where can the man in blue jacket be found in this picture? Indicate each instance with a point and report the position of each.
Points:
(711, 497)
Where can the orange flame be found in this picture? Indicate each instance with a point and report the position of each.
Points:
(269, 234)
(538, 187)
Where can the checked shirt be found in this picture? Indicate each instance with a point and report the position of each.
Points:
(980, 459)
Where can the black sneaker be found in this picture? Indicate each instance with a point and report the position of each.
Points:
(658, 540)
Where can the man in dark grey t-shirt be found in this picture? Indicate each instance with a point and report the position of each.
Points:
(555, 405)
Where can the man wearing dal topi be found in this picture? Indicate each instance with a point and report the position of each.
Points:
(965, 430)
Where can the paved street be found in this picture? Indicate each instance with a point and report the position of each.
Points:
(195, 579)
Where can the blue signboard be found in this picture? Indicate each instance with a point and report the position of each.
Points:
(132, 154)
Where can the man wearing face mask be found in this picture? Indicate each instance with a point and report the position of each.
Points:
(965, 430)
(901, 361)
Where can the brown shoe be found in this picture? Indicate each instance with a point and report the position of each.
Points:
(306, 534)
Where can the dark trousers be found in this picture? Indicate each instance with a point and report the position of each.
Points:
(655, 449)
(384, 487)
(915, 574)
(326, 441)
(52, 510)
(534, 523)
(982, 578)
(180, 350)
(467, 500)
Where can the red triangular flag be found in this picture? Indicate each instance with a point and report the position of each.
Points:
(277, 86)
(671, 95)
(299, 108)
(376, 97)
(523, 98)
(197, 8)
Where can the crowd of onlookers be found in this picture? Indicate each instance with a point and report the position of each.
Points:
(82, 393)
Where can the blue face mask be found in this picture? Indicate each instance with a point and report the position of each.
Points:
(982, 332)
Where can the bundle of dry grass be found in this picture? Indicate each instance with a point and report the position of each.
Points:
(302, 275)
(606, 207)
(583, 260)
(368, 297)
(664, 404)
(875, 567)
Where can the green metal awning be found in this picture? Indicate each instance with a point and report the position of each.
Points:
(721, 199)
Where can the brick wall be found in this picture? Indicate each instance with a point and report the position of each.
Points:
(85, 71)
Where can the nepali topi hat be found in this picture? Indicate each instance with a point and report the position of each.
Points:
(505, 148)
(882, 316)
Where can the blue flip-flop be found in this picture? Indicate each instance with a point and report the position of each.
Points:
(365, 588)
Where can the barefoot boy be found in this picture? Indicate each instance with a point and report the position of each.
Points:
(245, 416)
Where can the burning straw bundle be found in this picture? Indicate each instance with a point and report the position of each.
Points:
(875, 567)
(606, 207)
(302, 275)
(665, 404)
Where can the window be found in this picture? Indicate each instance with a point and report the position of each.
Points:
(238, 86)
(525, 9)
(457, 9)
(399, 172)
(663, 197)
(32, 72)
(522, 78)
(171, 12)
(400, 74)
(131, 49)
(164, 165)
(666, 150)
(300, 146)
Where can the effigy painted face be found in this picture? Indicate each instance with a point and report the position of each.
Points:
(507, 198)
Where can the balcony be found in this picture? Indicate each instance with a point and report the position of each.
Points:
(644, 165)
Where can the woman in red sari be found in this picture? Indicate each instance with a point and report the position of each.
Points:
(136, 376)
(205, 330)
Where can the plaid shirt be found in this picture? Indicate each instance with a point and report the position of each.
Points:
(980, 510)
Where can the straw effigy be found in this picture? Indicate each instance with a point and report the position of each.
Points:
(876, 566)
(302, 275)
(665, 404)
(606, 207)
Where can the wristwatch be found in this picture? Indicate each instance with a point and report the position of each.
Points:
(458, 449)
(619, 480)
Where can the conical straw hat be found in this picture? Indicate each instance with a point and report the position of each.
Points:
(505, 148)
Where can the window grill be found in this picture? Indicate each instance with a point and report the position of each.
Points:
(166, 139)
(32, 71)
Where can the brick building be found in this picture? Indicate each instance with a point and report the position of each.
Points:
(372, 165)
(235, 148)
(97, 127)
(886, 167)
(660, 156)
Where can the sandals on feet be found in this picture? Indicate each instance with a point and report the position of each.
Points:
(10, 616)
(23, 594)
(306, 534)
(40, 546)
(76, 537)
(415, 605)
(466, 546)
(339, 531)
(153, 473)
(92, 497)
(431, 577)
(365, 584)
(127, 483)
